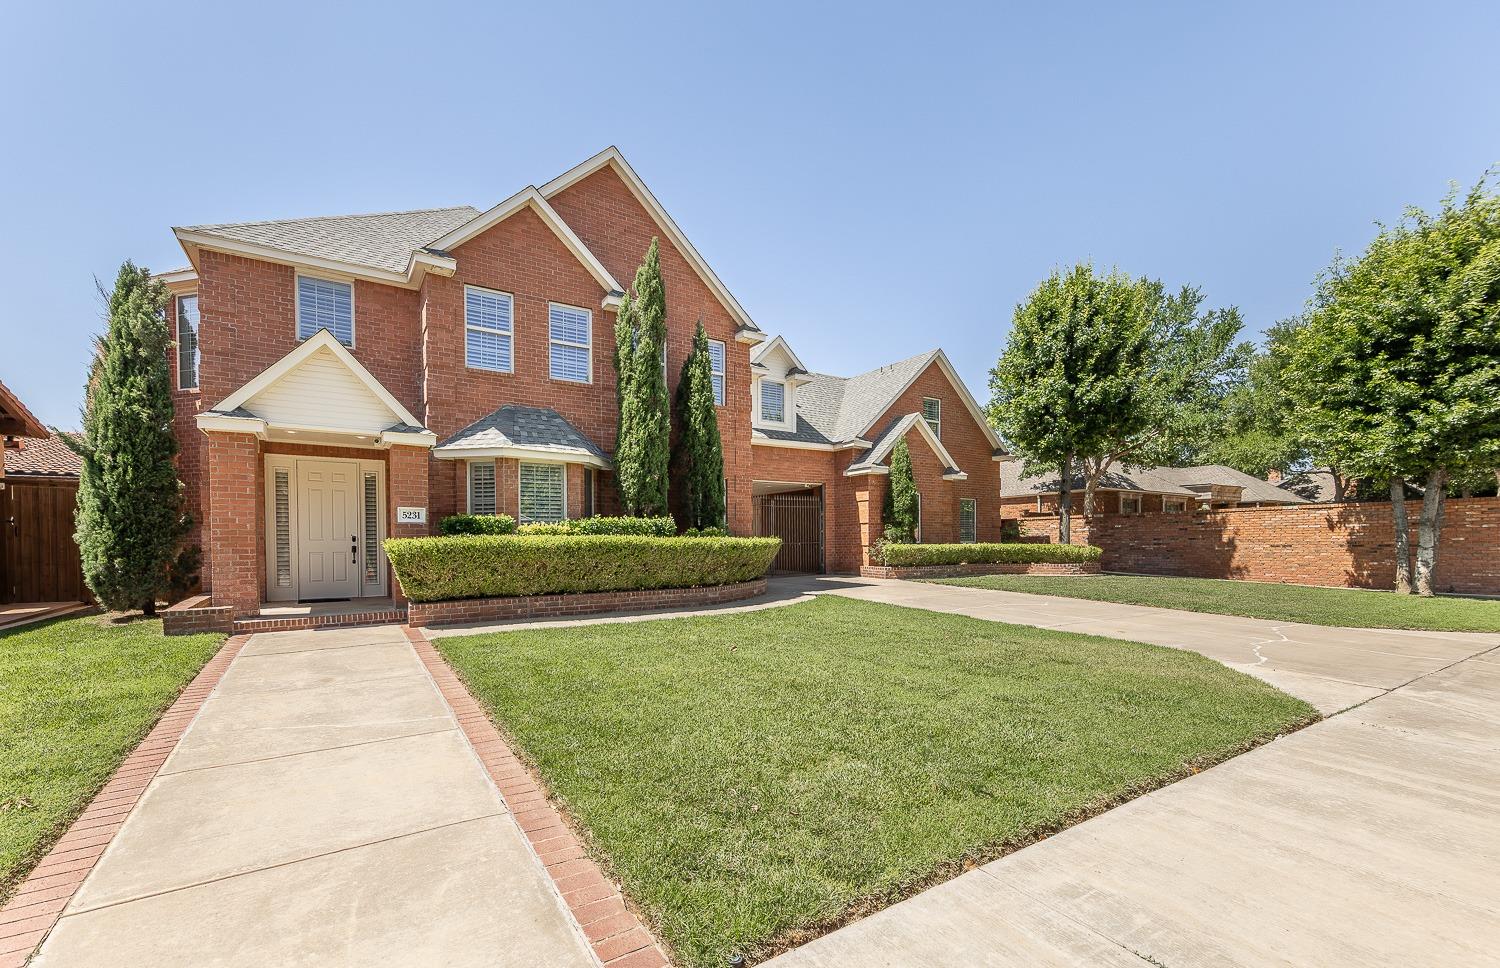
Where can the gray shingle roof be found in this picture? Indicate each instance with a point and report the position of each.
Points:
(863, 461)
(837, 409)
(383, 240)
(1253, 488)
(534, 428)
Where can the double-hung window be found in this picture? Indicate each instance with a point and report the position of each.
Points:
(772, 401)
(482, 487)
(1130, 504)
(570, 332)
(716, 369)
(543, 488)
(968, 520)
(488, 329)
(325, 304)
(932, 412)
(187, 342)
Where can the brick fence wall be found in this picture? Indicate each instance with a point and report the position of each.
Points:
(1350, 545)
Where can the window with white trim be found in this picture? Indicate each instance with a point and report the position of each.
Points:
(187, 342)
(482, 487)
(932, 412)
(968, 520)
(1175, 507)
(772, 401)
(918, 535)
(716, 369)
(570, 332)
(1130, 504)
(543, 492)
(325, 304)
(489, 330)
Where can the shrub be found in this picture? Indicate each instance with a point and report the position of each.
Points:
(909, 555)
(481, 566)
(714, 532)
(662, 527)
(478, 524)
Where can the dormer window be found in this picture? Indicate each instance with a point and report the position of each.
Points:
(772, 401)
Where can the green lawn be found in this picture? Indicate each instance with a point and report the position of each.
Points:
(1349, 607)
(78, 695)
(752, 777)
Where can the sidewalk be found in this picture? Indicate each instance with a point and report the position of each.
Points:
(323, 809)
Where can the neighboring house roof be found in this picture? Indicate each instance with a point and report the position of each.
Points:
(1314, 485)
(1175, 481)
(516, 431)
(384, 240)
(15, 419)
(42, 457)
(1253, 489)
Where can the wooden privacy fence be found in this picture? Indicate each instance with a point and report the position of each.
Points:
(797, 519)
(38, 556)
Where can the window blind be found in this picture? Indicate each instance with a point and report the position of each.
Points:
(325, 304)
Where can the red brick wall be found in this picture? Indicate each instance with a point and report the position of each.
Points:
(1105, 502)
(617, 229)
(1322, 544)
(191, 468)
(235, 528)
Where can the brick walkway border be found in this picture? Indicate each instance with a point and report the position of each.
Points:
(618, 937)
(39, 902)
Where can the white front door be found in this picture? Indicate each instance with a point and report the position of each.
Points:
(328, 529)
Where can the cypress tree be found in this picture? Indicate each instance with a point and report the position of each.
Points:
(624, 355)
(129, 517)
(644, 451)
(901, 512)
(700, 453)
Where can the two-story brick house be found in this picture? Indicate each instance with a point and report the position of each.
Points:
(340, 380)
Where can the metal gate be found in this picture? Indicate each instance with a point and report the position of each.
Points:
(38, 556)
(797, 519)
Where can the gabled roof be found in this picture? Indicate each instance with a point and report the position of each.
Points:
(611, 157)
(517, 431)
(871, 461)
(15, 419)
(777, 344)
(42, 457)
(383, 240)
(1253, 489)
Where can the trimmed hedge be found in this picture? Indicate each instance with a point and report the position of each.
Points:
(485, 566)
(478, 524)
(910, 555)
(662, 527)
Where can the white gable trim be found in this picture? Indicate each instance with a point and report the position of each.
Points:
(941, 359)
(321, 340)
(899, 432)
(611, 156)
(766, 349)
(529, 197)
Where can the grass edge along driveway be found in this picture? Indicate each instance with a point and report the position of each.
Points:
(755, 778)
(1307, 604)
(78, 695)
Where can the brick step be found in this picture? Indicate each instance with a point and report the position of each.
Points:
(289, 623)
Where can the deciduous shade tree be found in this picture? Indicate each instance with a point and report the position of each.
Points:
(1397, 369)
(643, 446)
(902, 510)
(1071, 377)
(129, 517)
(700, 452)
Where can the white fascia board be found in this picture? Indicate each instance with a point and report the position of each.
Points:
(179, 281)
(941, 358)
(418, 266)
(956, 476)
(522, 453)
(320, 340)
(529, 197)
(766, 349)
(863, 471)
(902, 429)
(223, 423)
(751, 336)
(425, 438)
(763, 441)
(611, 156)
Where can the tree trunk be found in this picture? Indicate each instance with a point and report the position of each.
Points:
(1403, 535)
(1065, 503)
(1339, 487)
(1429, 530)
(149, 608)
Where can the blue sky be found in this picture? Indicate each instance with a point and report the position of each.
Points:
(870, 181)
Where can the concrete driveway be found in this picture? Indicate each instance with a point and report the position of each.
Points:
(1331, 668)
(1370, 838)
(323, 809)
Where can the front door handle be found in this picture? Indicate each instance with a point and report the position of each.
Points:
(353, 549)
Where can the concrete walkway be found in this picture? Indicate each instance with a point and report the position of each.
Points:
(323, 809)
(1371, 838)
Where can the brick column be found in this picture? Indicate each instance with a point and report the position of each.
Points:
(233, 527)
(869, 499)
(407, 487)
